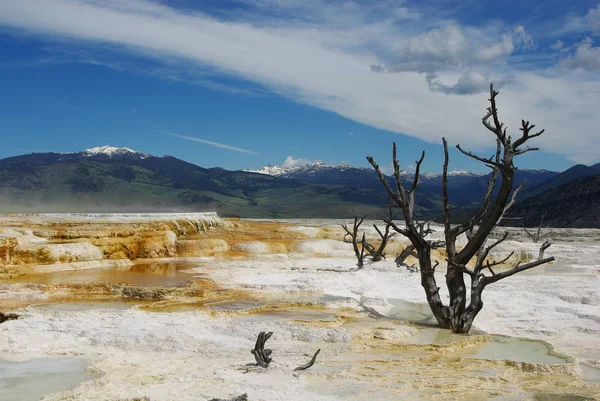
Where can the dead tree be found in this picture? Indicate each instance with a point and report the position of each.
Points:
(376, 254)
(379, 253)
(539, 233)
(262, 355)
(359, 252)
(410, 249)
(459, 313)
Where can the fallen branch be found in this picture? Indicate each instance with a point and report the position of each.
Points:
(338, 270)
(243, 397)
(310, 363)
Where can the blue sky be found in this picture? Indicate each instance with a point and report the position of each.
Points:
(241, 84)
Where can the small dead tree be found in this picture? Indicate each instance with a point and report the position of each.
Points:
(458, 315)
(539, 232)
(359, 251)
(376, 254)
(379, 253)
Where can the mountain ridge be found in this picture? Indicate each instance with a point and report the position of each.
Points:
(122, 179)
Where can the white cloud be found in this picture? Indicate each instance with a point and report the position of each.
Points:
(450, 47)
(586, 57)
(304, 62)
(291, 162)
(558, 45)
(590, 22)
(470, 82)
(593, 18)
(211, 143)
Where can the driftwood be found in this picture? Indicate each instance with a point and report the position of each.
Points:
(8, 316)
(262, 355)
(310, 363)
(458, 314)
(243, 397)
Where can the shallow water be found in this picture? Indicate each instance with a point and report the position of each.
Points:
(498, 348)
(118, 304)
(31, 380)
(410, 312)
(144, 275)
(517, 349)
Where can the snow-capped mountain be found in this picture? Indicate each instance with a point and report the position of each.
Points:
(321, 173)
(316, 168)
(464, 186)
(311, 168)
(111, 151)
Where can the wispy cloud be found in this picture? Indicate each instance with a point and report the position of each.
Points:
(211, 143)
(322, 57)
(291, 162)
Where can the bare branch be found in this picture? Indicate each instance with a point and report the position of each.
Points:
(544, 246)
(527, 149)
(379, 254)
(535, 237)
(512, 201)
(411, 192)
(494, 263)
(383, 180)
(479, 158)
(423, 232)
(517, 269)
(408, 251)
(418, 168)
(399, 186)
(525, 136)
(461, 268)
(483, 256)
(402, 231)
(445, 190)
(310, 363)
(520, 267)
